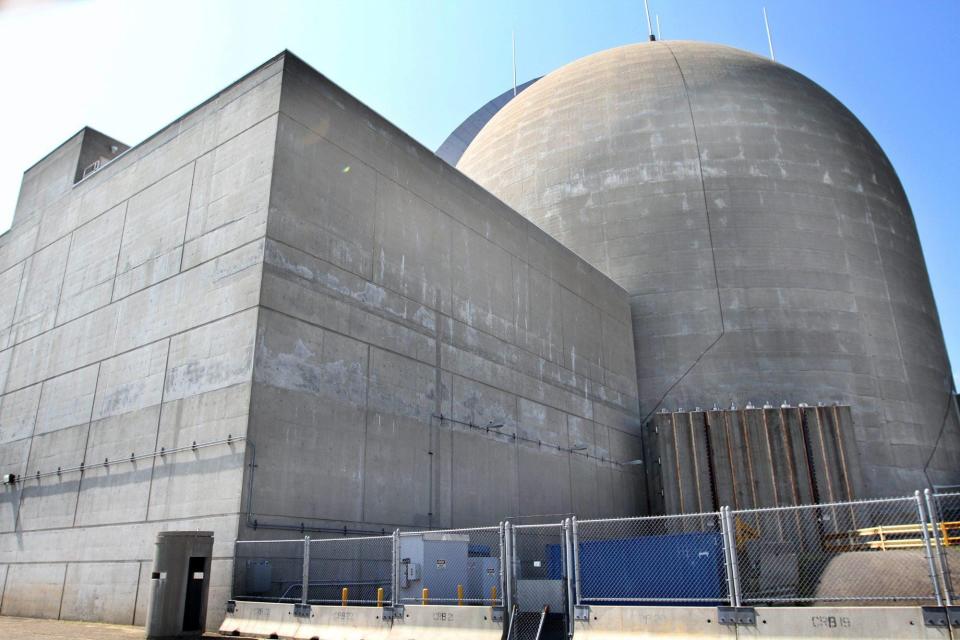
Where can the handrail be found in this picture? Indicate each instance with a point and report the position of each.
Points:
(890, 537)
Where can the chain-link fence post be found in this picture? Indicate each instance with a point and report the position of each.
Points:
(728, 541)
(576, 560)
(508, 559)
(568, 572)
(933, 516)
(395, 566)
(925, 535)
(305, 589)
(503, 565)
(734, 564)
(234, 590)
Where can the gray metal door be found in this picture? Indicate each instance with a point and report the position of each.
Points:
(540, 572)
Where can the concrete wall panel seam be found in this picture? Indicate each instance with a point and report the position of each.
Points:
(126, 352)
(156, 442)
(69, 195)
(386, 177)
(453, 371)
(86, 444)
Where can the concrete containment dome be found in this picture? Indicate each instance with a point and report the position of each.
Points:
(765, 240)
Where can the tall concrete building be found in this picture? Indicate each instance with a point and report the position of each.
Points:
(281, 312)
(766, 242)
(281, 315)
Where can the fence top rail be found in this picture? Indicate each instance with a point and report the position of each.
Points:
(349, 539)
(297, 540)
(312, 540)
(951, 494)
(421, 532)
(827, 505)
(672, 516)
(550, 525)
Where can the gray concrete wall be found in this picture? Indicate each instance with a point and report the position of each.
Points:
(768, 246)
(283, 264)
(396, 290)
(128, 310)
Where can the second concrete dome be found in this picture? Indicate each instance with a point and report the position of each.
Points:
(765, 239)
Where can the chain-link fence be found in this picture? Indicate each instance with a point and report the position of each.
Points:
(268, 570)
(456, 566)
(661, 559)
(540, 580)
(855, 552)
(944, 509)
(885, 551)
(353, 571)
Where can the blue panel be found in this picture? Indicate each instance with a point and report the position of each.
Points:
(680, 567)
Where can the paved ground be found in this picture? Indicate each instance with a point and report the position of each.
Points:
(32, 629)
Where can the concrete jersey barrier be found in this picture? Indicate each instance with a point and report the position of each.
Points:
(775, 623)
(261, 619)
(325, 622)
(439, 622)
(878, 623)
(628, 623)
(345, 623)
(443, 622)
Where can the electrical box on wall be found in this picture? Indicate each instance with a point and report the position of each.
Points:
(413, 571)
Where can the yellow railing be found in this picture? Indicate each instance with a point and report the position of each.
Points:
(884, 538)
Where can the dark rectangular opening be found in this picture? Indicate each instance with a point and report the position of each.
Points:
(193, 606)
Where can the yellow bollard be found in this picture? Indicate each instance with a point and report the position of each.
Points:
(459, 595)
(493, 596)
(380, 597)
(344, 596)
(425, 596)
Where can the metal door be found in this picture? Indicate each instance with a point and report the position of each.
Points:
(540, 582)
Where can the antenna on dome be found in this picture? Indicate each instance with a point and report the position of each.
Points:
(646, 7)
(659, 37)
(766, 23)
(513, 42)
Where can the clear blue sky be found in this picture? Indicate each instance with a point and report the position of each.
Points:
(129, 67)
